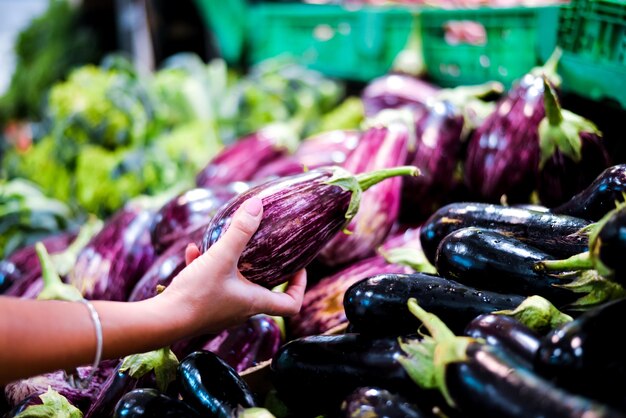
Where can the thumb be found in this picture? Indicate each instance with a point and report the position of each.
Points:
(242, 227)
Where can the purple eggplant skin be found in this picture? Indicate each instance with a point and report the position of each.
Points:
(31, 400)
(21, 268)
(150, 403)
(386, 147)
(506, 332)
(212, 387)
(17, 391)
(437, 154)
(249, 344)
(188, 211)
(489, 382)
(327, 148)
(117, 385)
(557, 235)
(393, 91)
(240, 160)
(583, 357)
(489, 260)
(503, 153)
(115, 259)
(599, 197)
(314, 374)
(280, 167)
(322, 306)
(367, 402)
(377, 305)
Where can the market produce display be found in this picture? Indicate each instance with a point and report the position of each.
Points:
(463, 245)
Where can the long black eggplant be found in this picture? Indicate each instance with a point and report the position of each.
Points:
(572, 152)
(557, 235)
(489, 260)
(301, 214)
(371, 402)
(377, 305)
(506, 332)
(482, 380)
(150, 403)
(597, 199)
(503, 153)
(583, 356)
(189, 211)
(211, 386)
(314, 374)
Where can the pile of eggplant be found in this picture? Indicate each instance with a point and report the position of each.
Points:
(463, 257)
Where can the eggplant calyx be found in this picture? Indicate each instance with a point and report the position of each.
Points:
(425, 360)
(408, 257)
(576, 262)
(598, 290)
(538, 314)
(54, 288)
(64, 261)
(549, 68)
(162, 361)
(54, 405)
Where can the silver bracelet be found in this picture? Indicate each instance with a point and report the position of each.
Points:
(95, 318)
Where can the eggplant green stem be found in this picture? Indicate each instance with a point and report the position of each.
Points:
(549, 68)
(163, 362)
(551, 103)
(367, 180)
(580, 261)
(64, 261)
(409, 257)
(459, 96)
(54, 288)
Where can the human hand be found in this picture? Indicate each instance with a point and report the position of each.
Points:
(213, 295)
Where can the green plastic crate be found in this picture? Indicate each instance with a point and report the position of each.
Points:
(592, 34)
(357, 44)
(514, 41)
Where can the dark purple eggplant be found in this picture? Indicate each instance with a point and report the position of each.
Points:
(598, 198)
(489, 260)
(377, 305)
(249, 344)
(150, 403)
(572, 152)
(380, 205)
(314, 374)
(582, 355)
(301, 214)
(503, 153)
(506, 332)
(557, 235)
(368, 402)
(22, 268)
(115, 259)
(113, 389)
(189, 211)
(482, 380)
(327, 148)
(240, 160)
(393, 91)
(211, 386)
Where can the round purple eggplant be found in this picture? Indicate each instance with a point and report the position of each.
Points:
(302, 213)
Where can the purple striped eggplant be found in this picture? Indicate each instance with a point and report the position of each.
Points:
(327, 148)
(189, 211)
(382, 146)
(503, 153)
(301, 214)
(242, 159)
(392, 91)
(248, 344)
(572, 152)
(115, 259)
(21, 269)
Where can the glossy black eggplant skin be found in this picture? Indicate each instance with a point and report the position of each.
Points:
(372, 402)
(150, 403)
(378, 304)
(490, 383)
(113, 389)
(314, 374)
(599, 197)
(507, 333)
(489, 260)
(554, 234)
(212, 387)
(610, 245)
(583, 355)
